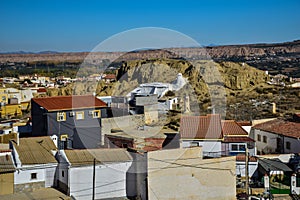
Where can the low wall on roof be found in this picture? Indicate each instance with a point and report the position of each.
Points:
(120, 122)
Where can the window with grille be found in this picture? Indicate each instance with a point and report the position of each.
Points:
(61, 116)
(80, 115)
(96, 114)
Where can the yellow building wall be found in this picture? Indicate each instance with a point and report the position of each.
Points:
(10, 110)
(5, 138)
(7, 183)
(25, 105)
(3, 98)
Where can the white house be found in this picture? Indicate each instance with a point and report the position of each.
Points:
(241, 166)
(35, 163)
(205, 131)
(217, 137)
(277, 136)
(75, 174)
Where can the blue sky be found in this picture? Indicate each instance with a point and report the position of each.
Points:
(80, 25)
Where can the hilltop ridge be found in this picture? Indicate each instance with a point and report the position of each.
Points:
(276, 58)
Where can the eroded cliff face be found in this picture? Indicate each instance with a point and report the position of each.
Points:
(205, 78)
(234, 76)
(210, 83)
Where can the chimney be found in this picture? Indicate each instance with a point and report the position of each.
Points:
(54, 139)
(274, 108)
(18, 139)
(186, 104)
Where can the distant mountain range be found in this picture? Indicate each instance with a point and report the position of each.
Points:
(276, 58)
(28, 52)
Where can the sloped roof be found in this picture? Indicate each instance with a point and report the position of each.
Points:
(280, 126)
(109, 76)
(209, 127)
(242, 157)
(233, 139)
(244, 123)
(35, 150)
(81, 157)
(231, 127)
(273, 165)
(41, 194)
(69, 102)
(201, 127)
(6, 164)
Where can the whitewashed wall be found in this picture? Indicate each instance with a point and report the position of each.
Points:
(24, 176)
(110, 181)
(271, 144)
(241, 168)
(209, 148)
(44, 173)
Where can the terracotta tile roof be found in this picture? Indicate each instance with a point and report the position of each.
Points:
(201, 127)
(6, 164)
(35, 150)
(230, 127)
(233, 139)
(69, 102)
(110, 76)
(245, 123)
(209, 127)
(41, 90)
(242, 157)
(86, 156)
(282, 127)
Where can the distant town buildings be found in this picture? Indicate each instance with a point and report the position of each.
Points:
(123, 144)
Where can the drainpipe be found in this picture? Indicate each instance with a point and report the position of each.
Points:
(283, 144)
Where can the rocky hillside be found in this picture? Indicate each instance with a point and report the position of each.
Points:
(229, 85)
(207, 79)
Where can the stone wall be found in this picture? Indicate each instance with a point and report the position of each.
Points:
(29, 187)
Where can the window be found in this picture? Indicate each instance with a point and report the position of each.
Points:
(238, 147)
(258, 152)
(80, 115)
(258, 137)
(194, 144)
(288, 145)
(71, 114)
(234, 147)
(61, 116)
(63, 173)
(265, 139)
(33, 175)
(242, 147)
(96, 114)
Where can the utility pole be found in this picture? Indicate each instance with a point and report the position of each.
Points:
(94, 177)
(247, 170)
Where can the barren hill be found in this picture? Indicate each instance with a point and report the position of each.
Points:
(277, 58)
